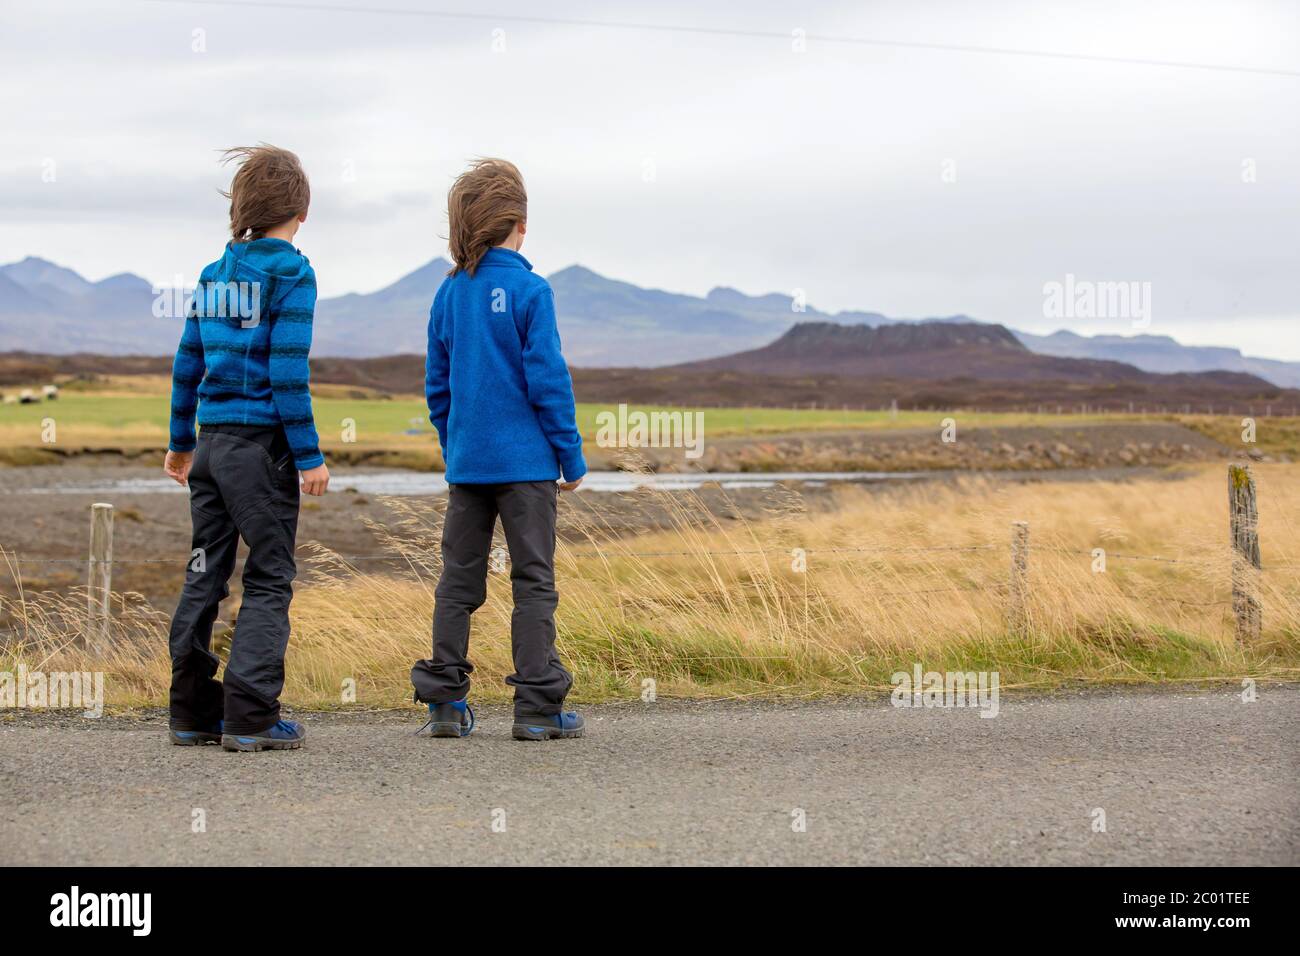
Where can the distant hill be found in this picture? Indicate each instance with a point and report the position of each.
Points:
(1160, 353)
(950, 351)
(1221, 392)
(48, 308)
(392, 321)
(604, 322)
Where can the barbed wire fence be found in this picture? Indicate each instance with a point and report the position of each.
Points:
(1243, 525)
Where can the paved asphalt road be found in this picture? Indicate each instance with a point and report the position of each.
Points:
(1184, 777)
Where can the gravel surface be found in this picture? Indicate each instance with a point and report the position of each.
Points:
(1185, 777)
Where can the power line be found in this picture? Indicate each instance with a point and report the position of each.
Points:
(731, 32)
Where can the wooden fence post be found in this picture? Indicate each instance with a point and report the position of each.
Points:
(1018, 601)
(1243, 517)
(99, 582)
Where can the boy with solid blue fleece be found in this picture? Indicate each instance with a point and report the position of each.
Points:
(500, 396)
(241, 375)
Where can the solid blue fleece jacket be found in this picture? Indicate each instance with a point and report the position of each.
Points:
(243, 353)
(498, 389)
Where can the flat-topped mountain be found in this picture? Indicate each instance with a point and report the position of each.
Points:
(932, 350)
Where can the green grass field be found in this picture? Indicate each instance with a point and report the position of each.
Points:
(90, 420)
(129, 414)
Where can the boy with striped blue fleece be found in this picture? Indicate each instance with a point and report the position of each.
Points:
(241, 375)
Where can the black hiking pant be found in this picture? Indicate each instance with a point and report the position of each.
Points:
(243, 484)
(527, 510)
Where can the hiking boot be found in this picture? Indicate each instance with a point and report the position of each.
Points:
(452, 719)
(537, 727)
(282, 735)
(196, 738)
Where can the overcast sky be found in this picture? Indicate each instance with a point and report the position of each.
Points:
(905, 180)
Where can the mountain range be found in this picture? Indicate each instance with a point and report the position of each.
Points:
(49, 308)
(1160, 353)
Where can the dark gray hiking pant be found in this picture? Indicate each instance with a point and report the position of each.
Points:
(239, 487)
(527, 510)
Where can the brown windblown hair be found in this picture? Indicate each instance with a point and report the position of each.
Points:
(269, 189)
(483, 206)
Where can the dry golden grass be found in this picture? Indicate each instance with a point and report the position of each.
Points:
(1278, 436)
(714, 607)
(116, 386)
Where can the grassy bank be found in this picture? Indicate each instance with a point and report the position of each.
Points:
(717, 607)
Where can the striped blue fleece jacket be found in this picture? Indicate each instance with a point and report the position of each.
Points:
(243, 354)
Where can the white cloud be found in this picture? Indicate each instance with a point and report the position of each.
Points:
(772, 170)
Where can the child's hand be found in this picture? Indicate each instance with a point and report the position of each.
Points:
(570, 485)
(177, 466)
(315, 480)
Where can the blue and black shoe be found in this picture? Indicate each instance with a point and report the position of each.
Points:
(452, 719)
(282, 735)
(196, 738)
(536, 727)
